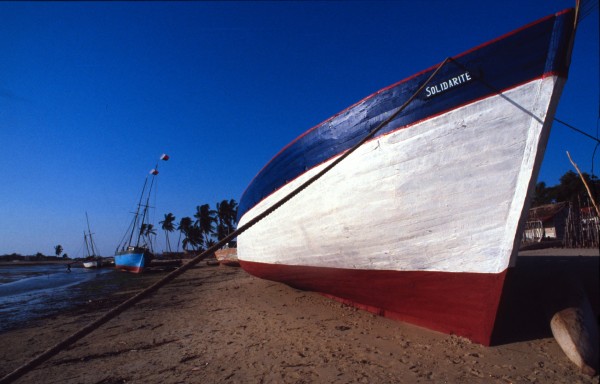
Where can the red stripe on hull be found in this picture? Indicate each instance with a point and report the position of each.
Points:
(129, 269)
(464, 304)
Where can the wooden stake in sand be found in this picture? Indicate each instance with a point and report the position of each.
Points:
(573, 325)
(587, 188)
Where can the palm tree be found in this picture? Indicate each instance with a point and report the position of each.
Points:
(194, 237)
(184, 226)
(232, 217)
(146, 231)
(221, 230)
(58, 249)
(210, 243)
(150, 230)
(205, 218)
(227, 218)
(167, 226)
(222, 209)
(143, 229)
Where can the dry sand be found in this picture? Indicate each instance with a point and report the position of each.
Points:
(218, 324)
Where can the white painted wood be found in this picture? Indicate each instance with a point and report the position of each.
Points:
(445, 194)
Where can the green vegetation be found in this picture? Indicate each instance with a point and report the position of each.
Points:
(197, 235)
(211, 225)
(37, 257)
(208, 227)
(168, 226)
(570, 189)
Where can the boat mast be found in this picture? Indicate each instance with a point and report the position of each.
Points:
(90, 233)
(154, 172)
(134, 227)
(86, 244)
(137, 213)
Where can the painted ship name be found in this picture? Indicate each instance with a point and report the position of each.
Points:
(447, 84)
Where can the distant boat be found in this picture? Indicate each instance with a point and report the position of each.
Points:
(421, 221)
(92, 263)
(227, 256)
(92, 259)
(135, 253)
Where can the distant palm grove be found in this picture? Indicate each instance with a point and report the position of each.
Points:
(570, 189)
(203, 230)
(207, 226)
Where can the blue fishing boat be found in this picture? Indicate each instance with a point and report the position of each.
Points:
(133, 258)
(134, 253)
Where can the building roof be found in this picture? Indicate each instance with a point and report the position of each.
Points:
(546, 212)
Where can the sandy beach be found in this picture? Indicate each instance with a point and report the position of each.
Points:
(217, 324)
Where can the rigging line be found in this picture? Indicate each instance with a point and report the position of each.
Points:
(138, 211)
(496, 90)
(22, 370)
(122, 243)
(598, 143)
(586, 8)
(577, 130)
(79, 250)
(594, 4)
(499, 92)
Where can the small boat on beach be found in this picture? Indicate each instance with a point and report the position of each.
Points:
(92, 263)
(135, 251)
(227, 256)
(411, 201)
(92, 260)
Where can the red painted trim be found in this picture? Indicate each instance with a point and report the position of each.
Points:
(129, 269)
(464, 304)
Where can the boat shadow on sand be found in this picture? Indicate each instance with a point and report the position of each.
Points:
(536, 289)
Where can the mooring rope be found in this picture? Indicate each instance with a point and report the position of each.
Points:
(499, 92)
(597, 140)
(22, 370)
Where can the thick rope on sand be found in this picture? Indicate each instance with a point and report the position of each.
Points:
(22, 370)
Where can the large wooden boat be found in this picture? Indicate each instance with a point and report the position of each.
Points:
(421, 222)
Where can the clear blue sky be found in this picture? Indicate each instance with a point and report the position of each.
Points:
(91, 94)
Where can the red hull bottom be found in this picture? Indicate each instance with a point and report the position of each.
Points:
(127, 268)
(464, 304)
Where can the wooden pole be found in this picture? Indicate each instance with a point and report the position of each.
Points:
(585, 183)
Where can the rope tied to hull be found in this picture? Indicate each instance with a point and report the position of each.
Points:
(22, 370)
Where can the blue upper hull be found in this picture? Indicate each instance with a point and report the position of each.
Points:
(537, 50)
(132, 261)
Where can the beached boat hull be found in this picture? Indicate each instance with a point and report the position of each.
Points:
(92, 264)
(455, 303)
(133, 260)
(227, 256)
(420, 223)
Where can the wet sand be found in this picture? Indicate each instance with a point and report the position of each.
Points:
(218, 324)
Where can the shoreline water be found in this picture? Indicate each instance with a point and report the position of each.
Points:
(32, 291)
(20, 263)
(219, 324)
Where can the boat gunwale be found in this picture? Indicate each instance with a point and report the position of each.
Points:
(398, 83)
(395, 130)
